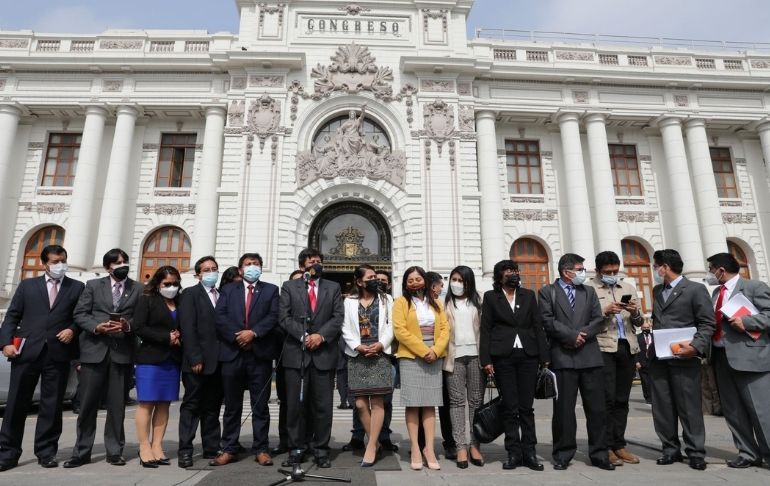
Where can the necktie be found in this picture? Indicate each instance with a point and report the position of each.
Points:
(647, 342)
(116, 291)
(666, 292)
(249, 298)
(53, 292)
(621, 329)
(571, 295)
(718, 315)
(311, 295)
(214, 296)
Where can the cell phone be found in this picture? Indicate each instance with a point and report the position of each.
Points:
(115, 317)
(626, 299)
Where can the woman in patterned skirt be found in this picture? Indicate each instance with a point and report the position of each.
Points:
(367, 332)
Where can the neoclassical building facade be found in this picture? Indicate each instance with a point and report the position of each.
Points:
(380, 133)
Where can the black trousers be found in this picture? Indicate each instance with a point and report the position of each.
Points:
(318, 396)
(280, 390)
(516, 377)
(246, 371)
(53, 383)
(201, 404)
(590, 383)
(619, 370)
(644, 376)
(105, 380)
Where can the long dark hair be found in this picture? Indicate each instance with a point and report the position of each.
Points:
(408, 293)
(358, 273)
(497, 272)
(469, 281)
(229, 276)
(153, 286)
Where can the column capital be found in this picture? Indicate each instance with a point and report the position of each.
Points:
(96, 109)
(667, 121)
(11, 109)
(567, 116)
(215, 109)
(763, 126)
(486, 114)
(695, 123)
(595, 118)
(128, 109)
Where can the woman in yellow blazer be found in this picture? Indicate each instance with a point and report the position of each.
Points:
(421, 328)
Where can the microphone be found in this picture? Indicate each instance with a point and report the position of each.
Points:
(306, 276)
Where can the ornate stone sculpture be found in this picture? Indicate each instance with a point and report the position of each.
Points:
(353, 69)
(349, 154)
(264, 118)
(350, 243)
(235, 113)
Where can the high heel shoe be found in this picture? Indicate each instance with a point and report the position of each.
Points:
(149, 464)
(476, 462)
(435, 466)
(163, 461)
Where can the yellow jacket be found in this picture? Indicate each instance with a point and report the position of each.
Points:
(406, 329)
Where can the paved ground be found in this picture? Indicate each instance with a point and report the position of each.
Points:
(387, 473)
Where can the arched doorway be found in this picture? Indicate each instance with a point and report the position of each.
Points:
(533, 263)
(31, 266)
(350, 233)
(165, 246)
(740, 255)
(637, 263)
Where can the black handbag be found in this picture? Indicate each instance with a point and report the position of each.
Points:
(546, 385)
(488, 420)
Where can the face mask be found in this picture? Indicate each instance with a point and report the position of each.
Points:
(252, 273)
(169, 292)
(712, 279)
(580, 277)
(610, 280)
(57, 270)
(373, 286)
(120, 272)
(645, 331)
(417, 291)
(209, 279)
(316, 270)
(657, 277)
(457, 288)
(513, 281)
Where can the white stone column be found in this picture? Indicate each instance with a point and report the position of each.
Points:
(492, 232)
(578, 213)
(764, 139)
(207, 200)
(684, 212)
(712, 229)
(605, 211)
(80, 230)
(9, 123)
(112, 222)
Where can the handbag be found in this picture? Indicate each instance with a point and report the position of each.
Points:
(546, 385)
(488, 420)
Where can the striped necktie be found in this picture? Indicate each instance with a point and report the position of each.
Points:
(571, 295)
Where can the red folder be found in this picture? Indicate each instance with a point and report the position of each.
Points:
(743, 312)
(18, 343)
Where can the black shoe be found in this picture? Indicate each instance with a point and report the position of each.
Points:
(606, 465)
(163, 461)
(698, 463)
(450, 453)
(277, 451)
(116, 460)
(6, 465)
(532, 463)
(48, 462)
(560, 466)
(512, 463)
(354, 445)
(476, 462)
(323, 462)
(184, 461)
(666, 459)
(148, 464)
(295, 457)
(344, 406)
(743, 463)
(387, 445)
(210, 455)
(462, 464)
(76, 462)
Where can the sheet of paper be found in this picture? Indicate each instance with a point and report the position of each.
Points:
(738, 305)
(663, 338)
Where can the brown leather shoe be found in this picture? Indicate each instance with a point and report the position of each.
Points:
(626, 456)
(614, 459)
(264, 459)
(222, 459)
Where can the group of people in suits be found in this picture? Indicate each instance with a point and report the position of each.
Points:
(223, 340)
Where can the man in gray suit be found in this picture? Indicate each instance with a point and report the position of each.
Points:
(676, 383)
(311, 314)
(572, 317)
(741, 358)
(106, 356)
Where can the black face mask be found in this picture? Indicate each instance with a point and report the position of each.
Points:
(316, 270)
(646, 331)
(120, 273)
(513, 281)
(373, 286)
(419, 293)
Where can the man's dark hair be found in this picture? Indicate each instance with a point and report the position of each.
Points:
(606, 258)
(52, 250)
(568, 261)
(433, 278)
(726, 261)
(308, 253)
(295, 272)
(249, 256)
(113, 256)
(200, 261)
(387, 274)
(669, 257)
(497, 272)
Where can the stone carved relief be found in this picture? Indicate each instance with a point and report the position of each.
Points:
(113, 86)
(467, 119)
(14, 43)
(264, 118)
(527, 200)
(738, 218)
(266, 81)
(630, 202)
(681, 100)
(637, 217)
(265, 9)
(463, 88)
(730, 204)
(760, 63)
(2, 84)
(439, 14)
(53, 192)
(354, 9)
(437, 85)
(236, 113)
(673, 60)
(238, 82)
(580, 97)
(349, 154)
(530, 214)
(172, 193)
(439, 122)
(574, 56)
(350, 243)
(121, 44)
(169, 209)
(151, 146)
(353, 69)
(36, 145)
(44, 208)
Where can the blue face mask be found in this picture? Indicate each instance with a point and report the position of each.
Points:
(610, 280)
(252, 273)
(209, 279)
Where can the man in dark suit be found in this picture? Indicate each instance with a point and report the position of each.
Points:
(644, 339)
(41, 315)
(106, 357)
(676, 383)
(311, 314)
(200, 364)
(741, 358)
(572, 317)
(246, 318)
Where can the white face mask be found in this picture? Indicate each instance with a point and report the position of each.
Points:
(579, 278)
(657, 277)
(57, 270)
(712, 279)
(457, 288)
(169, 292)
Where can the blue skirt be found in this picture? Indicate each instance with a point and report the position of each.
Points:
(157, 382)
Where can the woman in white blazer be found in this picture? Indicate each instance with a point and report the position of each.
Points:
(368, 334)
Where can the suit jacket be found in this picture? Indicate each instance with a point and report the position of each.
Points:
(743, 352)
(197, 322)
(563, 324)
(95, 307)
(406, 328)
(351, 331)
(153, 324)
(608, 337)
(500, 325)
(30, 316)
(643, 357)
(296, 318)
(263, 320)
(687, 306)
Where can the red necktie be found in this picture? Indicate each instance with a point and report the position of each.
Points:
(311, 295)
(718, 315)
(248, 306)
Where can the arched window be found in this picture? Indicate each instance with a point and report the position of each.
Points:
(533, 263)
(740, 255)
(31, 265)
(636, 262)
(165, 246)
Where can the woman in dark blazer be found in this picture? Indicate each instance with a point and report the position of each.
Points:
(157, 362)
(511, 345)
